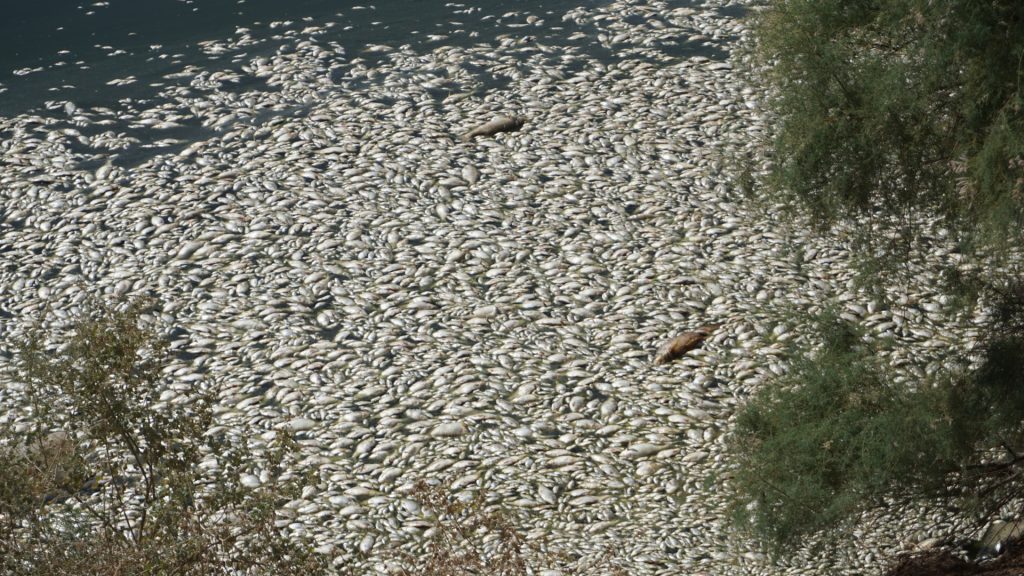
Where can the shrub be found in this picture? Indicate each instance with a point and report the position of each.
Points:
(469, 539)
(106, 479)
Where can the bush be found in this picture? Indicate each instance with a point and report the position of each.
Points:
(106, 478)
(836, 436)
(469, 539)
(457, 545)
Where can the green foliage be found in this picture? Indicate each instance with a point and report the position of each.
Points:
(889, 113)
(995, 391)
(835, 436)
(106, 480)
(886, 107)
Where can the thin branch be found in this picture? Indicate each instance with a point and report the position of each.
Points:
(104, 520)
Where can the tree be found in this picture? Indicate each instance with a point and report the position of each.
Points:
(891, 112)
(890, 107)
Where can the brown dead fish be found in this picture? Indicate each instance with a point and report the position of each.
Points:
(498, 124)
(676, 347)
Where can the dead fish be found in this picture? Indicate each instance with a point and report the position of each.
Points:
(676, 347)
(470, 174)
(498, 124)
(453, 98)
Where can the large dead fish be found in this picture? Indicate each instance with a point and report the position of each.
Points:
(498, 124)
(676, 347)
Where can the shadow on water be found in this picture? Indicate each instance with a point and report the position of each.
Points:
(71, 51)
(734, 11)
(688, 49)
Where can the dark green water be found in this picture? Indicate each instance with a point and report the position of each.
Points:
(61, 50)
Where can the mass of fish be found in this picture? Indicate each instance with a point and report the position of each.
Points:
(425, 273)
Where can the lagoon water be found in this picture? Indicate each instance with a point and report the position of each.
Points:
(71, 50)
(118, 58)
